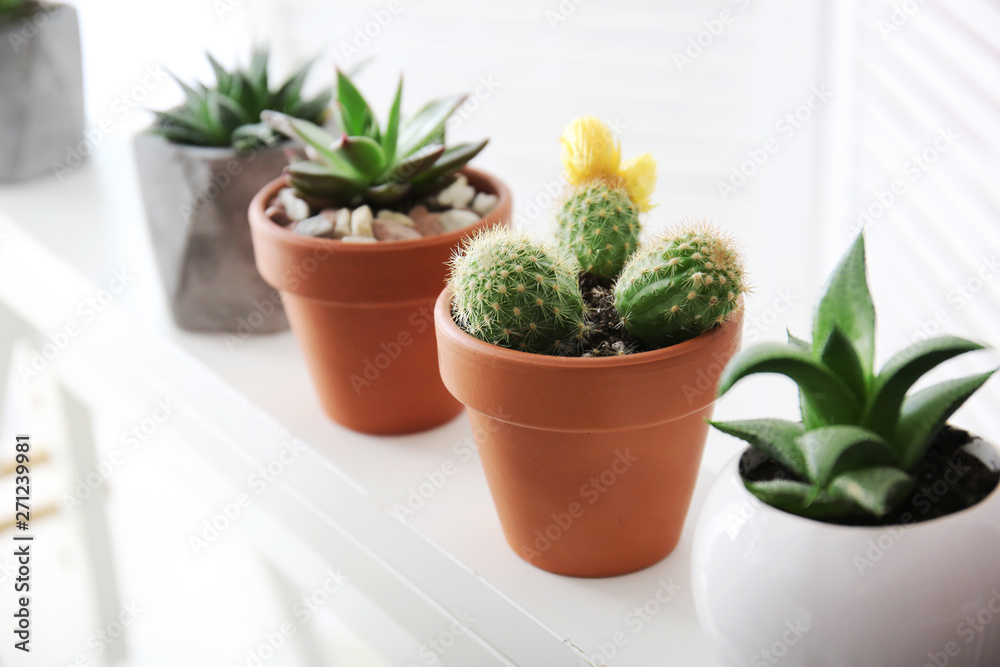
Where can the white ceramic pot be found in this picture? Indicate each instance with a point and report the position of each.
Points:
(772, 588)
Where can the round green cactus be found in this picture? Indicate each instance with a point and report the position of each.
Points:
(511, 291)
(680, 286)
(600, 224)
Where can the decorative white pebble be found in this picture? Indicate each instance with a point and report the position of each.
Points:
(318, 225)
(484, 203)
(361, 222)
(457, 195)
(395, 216)
(359, 239)
(295, 208)
(457, 218)
(343, 227)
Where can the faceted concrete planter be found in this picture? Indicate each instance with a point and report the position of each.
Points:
(41, 92)
(196, 205)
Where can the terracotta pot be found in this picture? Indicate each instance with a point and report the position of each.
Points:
(363, 315)
(591, 462)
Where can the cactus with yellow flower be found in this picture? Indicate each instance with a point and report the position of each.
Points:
(512, 291)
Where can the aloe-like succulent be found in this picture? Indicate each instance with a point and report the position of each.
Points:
(229, 113)
(365, 162)
(861, 432)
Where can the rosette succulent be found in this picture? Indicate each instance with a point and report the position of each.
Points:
(359, 161)
(862, 432)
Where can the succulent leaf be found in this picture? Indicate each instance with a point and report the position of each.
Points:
(427, 126)
(831, 397)
(229, 113)
(899, 374)
(775, 437)
(847, 303)
(840, 357)
(876, 490)
(925, 412)
(799, 498)
(833, 450)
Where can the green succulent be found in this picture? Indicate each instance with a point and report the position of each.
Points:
(373, 164)
(861, 432)
(11, 9)
(229, 114)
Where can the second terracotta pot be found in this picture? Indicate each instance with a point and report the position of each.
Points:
(591, 462)
(363, 315)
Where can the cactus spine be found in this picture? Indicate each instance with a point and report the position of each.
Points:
(600, 225)
(511, 291)
(680, 286)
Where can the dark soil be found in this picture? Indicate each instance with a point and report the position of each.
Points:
(947, 480)
(606, 337)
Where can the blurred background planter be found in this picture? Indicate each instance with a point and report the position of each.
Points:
(815, 594)
(196, 202)
(363, 315)
(41, 91)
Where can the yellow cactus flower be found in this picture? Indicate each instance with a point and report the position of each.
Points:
(591, 152)
(639, 176)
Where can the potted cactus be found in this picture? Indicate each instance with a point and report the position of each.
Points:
(869, 508)
(356, 239)
(199, 166)
(588, 366)
(41, 87)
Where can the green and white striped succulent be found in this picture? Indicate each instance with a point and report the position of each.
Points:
(229, 114)
(363, 162)
(861, 433)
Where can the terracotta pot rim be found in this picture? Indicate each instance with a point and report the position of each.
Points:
(283, 235)
(211, 152)
(794, 520)
(517, 357)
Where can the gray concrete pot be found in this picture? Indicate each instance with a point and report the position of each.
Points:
(41, 92)
(196, 203)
